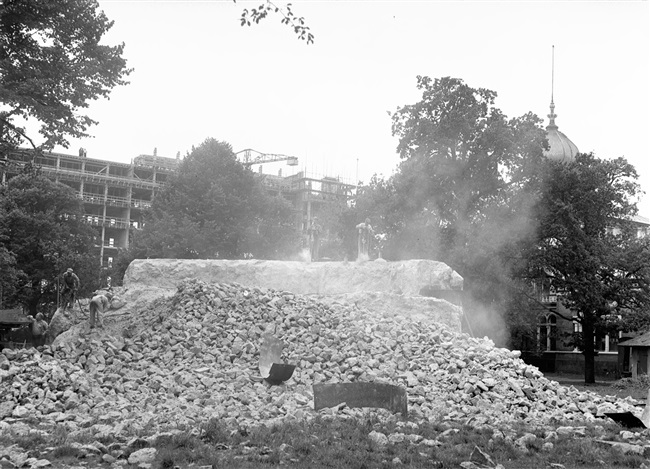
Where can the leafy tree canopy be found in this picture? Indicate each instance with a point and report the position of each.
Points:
(52, 63)
(464, 163)
(288, 17)
(41, 234)
(590, 246)
(8, 273)
(214, 207)
(464, 191)
(468, 174)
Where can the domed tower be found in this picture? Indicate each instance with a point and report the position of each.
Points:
(560, 146)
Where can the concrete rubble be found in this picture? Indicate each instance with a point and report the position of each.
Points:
(198, 359)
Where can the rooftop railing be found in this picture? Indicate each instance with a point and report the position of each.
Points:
(79, 175)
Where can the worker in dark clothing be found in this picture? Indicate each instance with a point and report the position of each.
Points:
(314, 232)
(70, 284)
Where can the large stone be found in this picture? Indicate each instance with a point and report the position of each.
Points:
(322, 278)
(62, 321)
(6, 409)
(142, 456)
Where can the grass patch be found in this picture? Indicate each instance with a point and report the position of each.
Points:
(65, 452)
(29, 442)
(339, 444)
(344, 443)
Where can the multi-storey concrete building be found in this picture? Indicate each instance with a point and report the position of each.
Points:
(115, 194)
(308, 193)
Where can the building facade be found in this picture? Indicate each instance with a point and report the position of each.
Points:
(309, 194)
(556, 323)
(116, 194)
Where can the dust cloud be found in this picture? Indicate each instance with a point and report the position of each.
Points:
(486, 254)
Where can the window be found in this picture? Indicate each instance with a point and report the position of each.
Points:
(613, 342)
(606, 343)
(547, 332)
(600, 343)
(577, 326)
(111, 242)
(110, 262)
(552, 332)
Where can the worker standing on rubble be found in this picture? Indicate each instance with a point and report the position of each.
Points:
(314, 239)
(363, 243)
(39, 330)
(70, 283)
(99, 304)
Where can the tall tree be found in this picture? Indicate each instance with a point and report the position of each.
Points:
(214, 207)
(271, 233)
(42, 231)
(52, 65)
(591, 247)
(462, 156)
(8, 273)
(467, 181)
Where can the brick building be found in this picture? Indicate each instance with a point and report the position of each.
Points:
(551, 355)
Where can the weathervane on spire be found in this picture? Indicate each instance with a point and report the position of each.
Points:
(552, 115)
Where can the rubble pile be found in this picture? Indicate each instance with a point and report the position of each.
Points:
(199, 356)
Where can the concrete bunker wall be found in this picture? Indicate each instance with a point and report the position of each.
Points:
(389, 288)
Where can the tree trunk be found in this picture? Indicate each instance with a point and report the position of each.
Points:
(589, 352)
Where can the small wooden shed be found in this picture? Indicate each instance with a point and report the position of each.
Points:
(10, 320)
(634, 356)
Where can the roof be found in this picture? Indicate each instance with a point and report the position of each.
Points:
(560, 146)
(641, 341)
(640, 220)
(13, 316)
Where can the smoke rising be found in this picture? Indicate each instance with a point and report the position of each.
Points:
(484, 245)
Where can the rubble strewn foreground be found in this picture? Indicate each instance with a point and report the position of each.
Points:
(198, 359)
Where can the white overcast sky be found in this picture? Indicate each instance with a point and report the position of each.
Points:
(199, 74)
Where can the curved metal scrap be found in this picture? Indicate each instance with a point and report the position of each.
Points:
(386, 396)
(280, 372)
(629, 420)
(271, 366)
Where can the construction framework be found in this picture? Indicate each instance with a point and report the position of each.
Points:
(115, 195)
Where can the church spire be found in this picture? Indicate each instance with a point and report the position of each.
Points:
(552, 115)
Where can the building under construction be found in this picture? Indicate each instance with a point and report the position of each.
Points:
(116, 194)
(309, 193)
